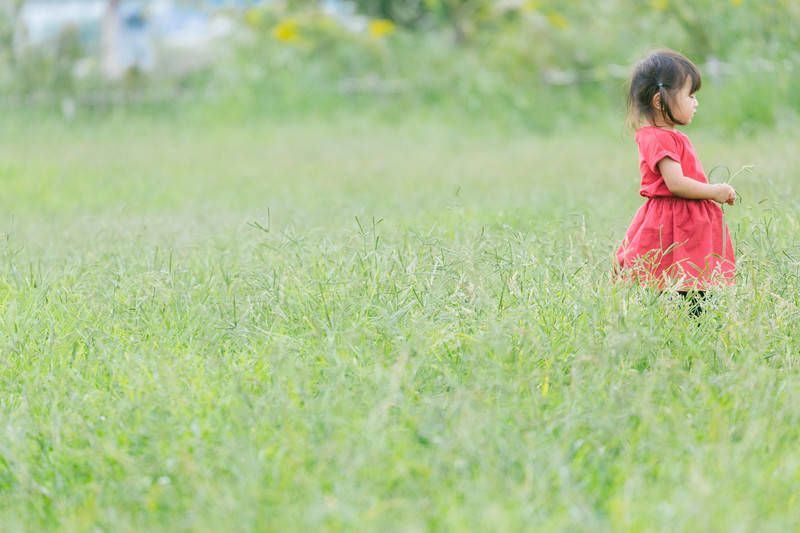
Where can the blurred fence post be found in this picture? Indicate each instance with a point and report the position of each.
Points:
(110, 41)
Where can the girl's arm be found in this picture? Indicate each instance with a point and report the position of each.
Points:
(684, 187)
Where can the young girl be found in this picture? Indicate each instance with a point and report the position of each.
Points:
(677, 239)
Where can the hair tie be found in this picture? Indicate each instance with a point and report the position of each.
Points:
(660, 84)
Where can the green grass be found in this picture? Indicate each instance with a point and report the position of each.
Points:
(364, 325)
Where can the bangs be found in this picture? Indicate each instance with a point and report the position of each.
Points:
(691, 72)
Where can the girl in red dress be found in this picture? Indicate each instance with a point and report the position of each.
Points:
(677, 239)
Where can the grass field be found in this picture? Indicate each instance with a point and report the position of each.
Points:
(357, 325)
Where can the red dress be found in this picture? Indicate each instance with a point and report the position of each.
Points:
(674, 242)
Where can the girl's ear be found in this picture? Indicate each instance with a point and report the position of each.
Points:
(656, 102)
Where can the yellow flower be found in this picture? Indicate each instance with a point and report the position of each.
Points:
(736, 2)
(558, 21)
(660, 5)
(530, 5)
(380, 27)
(286, 31)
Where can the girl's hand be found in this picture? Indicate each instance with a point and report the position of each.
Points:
(732, 197)
(724, 194)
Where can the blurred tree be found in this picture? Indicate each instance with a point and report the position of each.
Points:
(9, 12)
(407, 13)
(67, 52)
(463, 16)
(726, 29)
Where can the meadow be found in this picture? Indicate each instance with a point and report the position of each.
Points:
(368, 324)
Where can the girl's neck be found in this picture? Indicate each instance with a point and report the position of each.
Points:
(662, 125)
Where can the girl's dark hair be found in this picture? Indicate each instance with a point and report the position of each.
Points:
(665, 72)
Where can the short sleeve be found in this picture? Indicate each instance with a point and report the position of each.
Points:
(656, 144)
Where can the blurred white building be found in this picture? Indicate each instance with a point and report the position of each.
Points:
(127, 39)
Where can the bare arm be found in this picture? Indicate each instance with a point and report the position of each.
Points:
(684, 187)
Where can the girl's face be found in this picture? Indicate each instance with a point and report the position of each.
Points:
(683, 106)
(685, 103)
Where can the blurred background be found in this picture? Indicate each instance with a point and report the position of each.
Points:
(538, 63)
